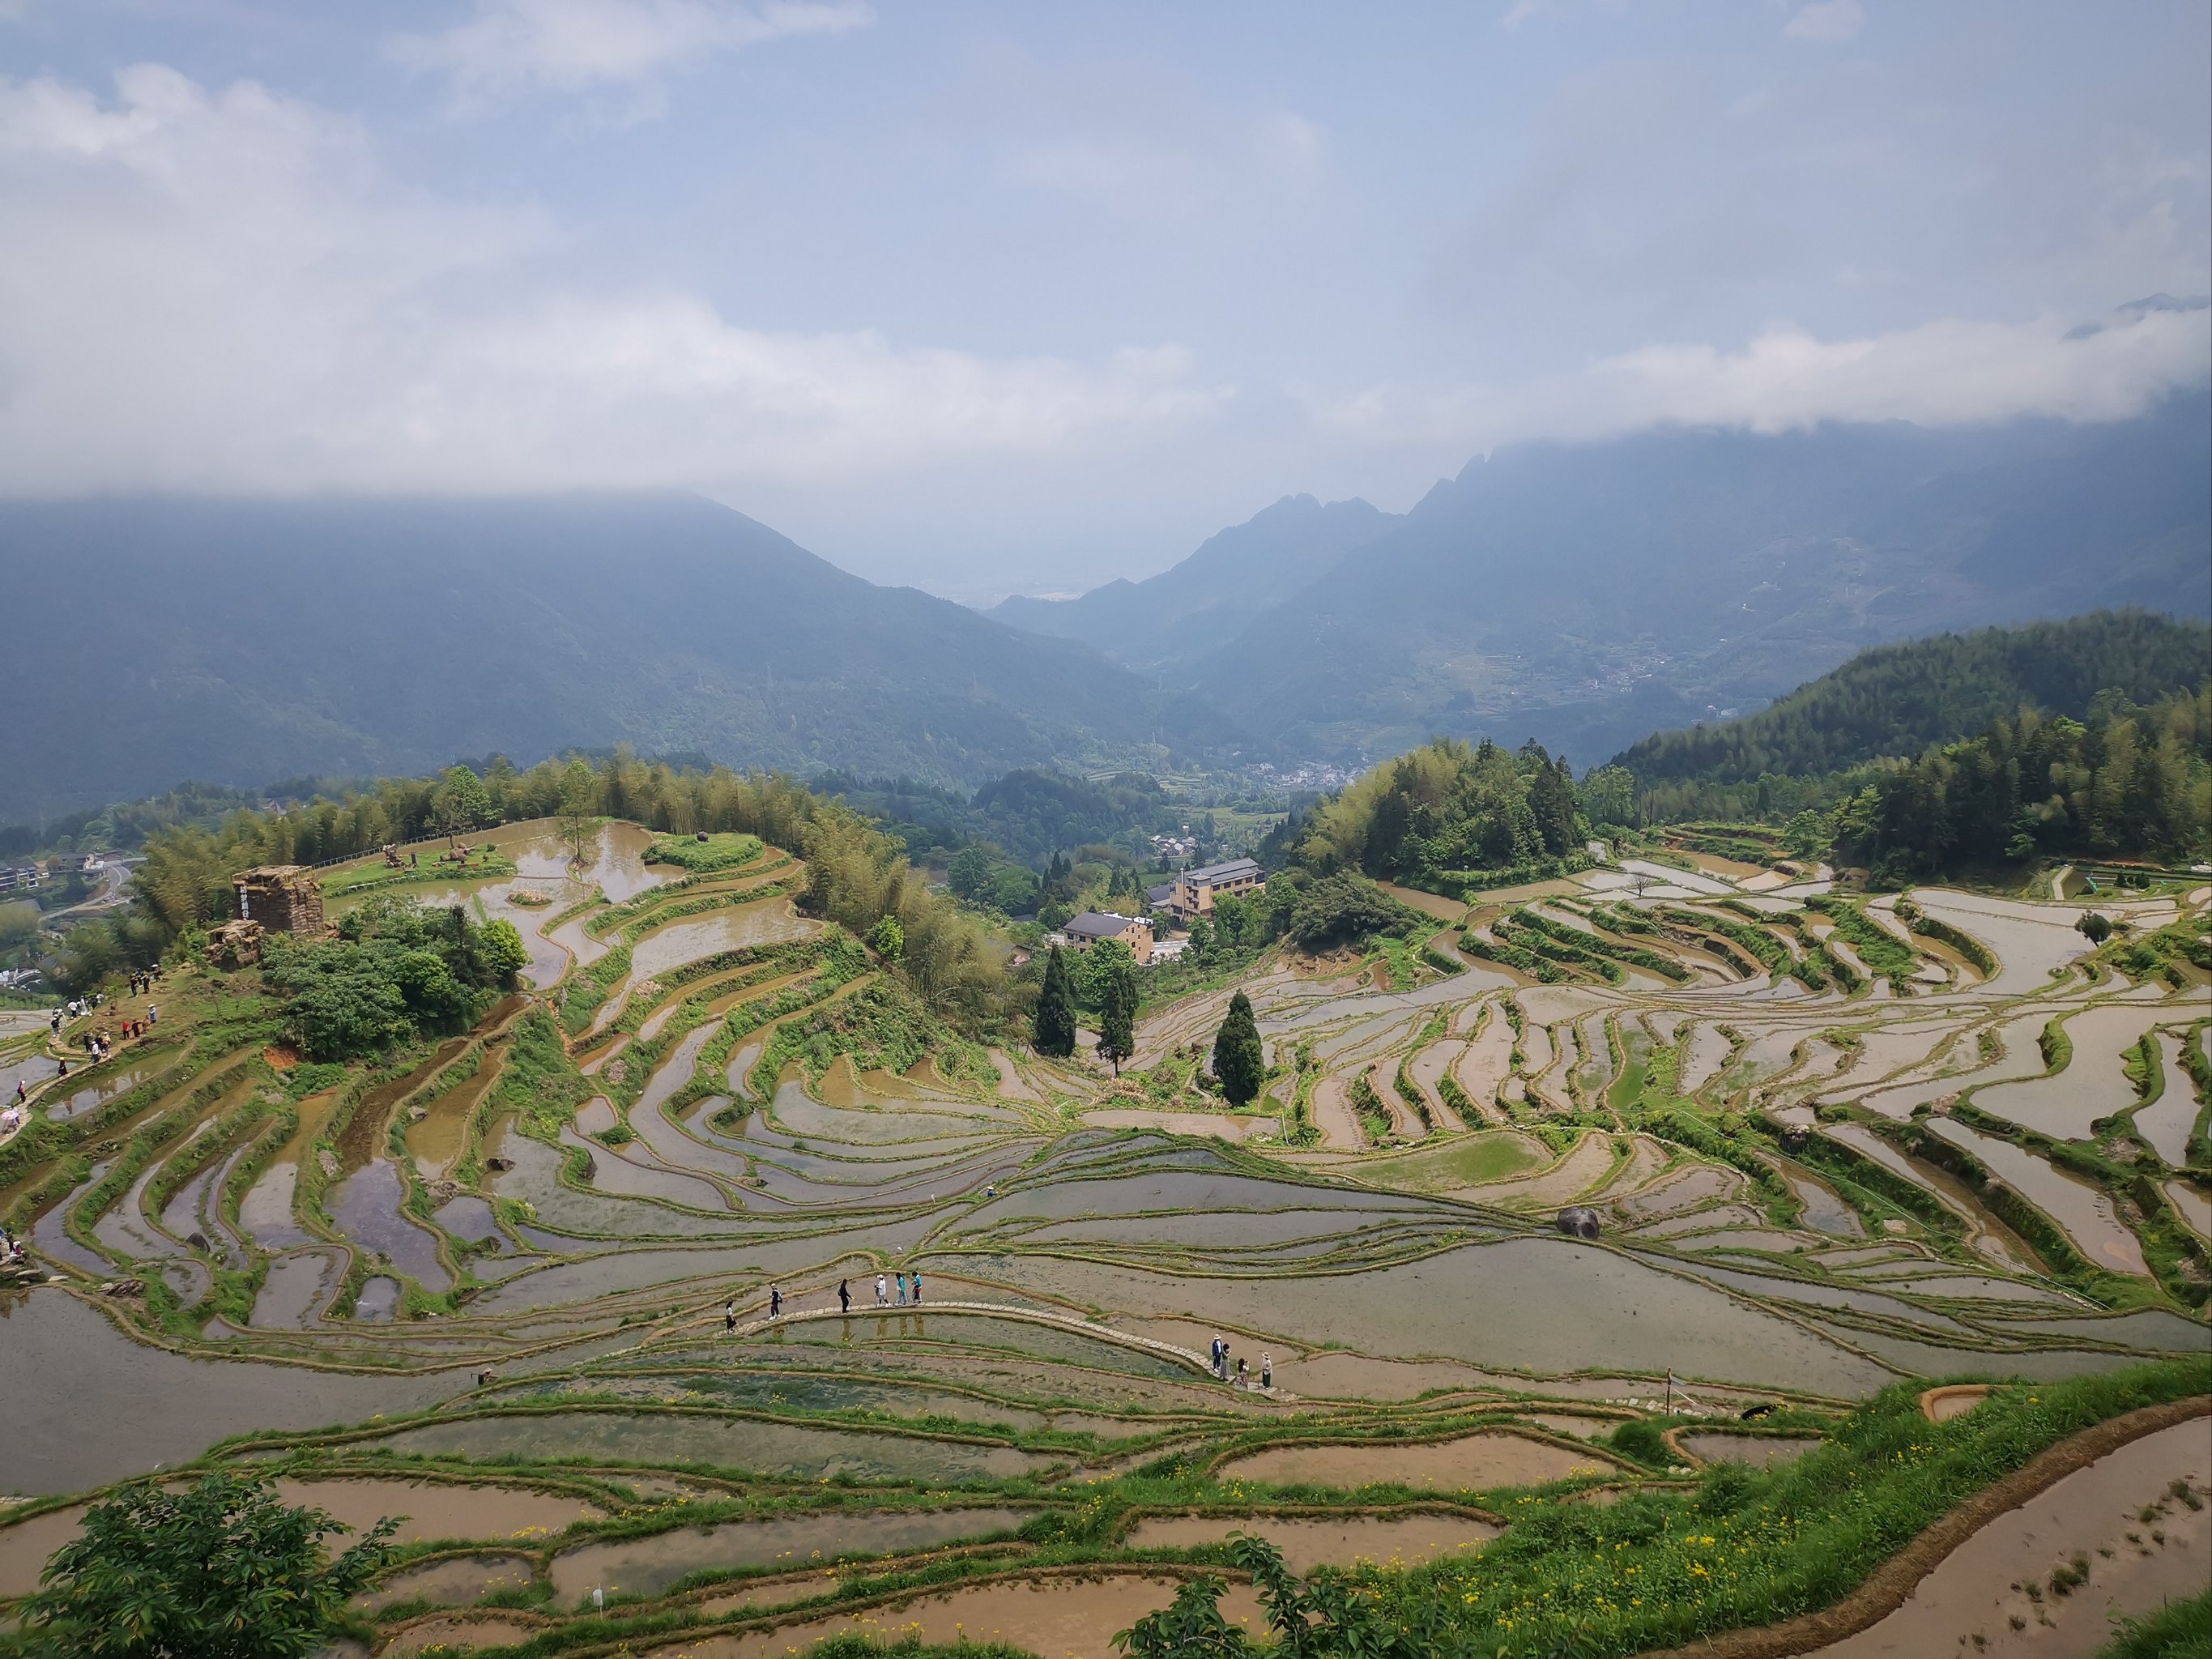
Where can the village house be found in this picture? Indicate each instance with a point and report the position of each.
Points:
(1087, 929)
(1196, 892)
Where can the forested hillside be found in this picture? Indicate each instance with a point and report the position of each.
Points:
(1896, 700)
(237, 642)
(2127, 781)
(1028, 813)
(1586, 595)
(1450, 816)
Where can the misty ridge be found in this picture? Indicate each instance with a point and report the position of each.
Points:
(1583, 595)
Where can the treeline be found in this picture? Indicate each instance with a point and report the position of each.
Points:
(857, 875)
(2126, 781)
(1449, 811)
(1898, 700)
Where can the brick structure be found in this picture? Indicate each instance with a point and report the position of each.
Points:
(284, 898)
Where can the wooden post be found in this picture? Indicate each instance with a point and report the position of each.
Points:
(1670, 1393)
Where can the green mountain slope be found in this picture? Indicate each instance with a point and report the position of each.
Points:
(237, 642)
(1896, 700)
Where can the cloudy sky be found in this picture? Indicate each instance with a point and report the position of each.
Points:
(1008, 296)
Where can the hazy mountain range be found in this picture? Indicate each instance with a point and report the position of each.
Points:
(237, 642)
(1590, 594)
(1586, 595)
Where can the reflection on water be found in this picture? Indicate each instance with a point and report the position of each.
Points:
(768, 922)
(646, 1566)
(366, 1208)
(614, 860)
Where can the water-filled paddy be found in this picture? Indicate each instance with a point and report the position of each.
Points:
(457, 1580)
(1975, 1599)
(1308, 1542)
(647, 1566)
(733, 1442)
(1473, 1462)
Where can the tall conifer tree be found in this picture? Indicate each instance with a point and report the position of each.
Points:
(1117, 1017)
(1055, 1010)
(1239, 1060)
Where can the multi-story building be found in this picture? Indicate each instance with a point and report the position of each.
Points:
(1197, 891)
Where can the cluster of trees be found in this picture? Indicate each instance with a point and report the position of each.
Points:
(1103, 979)
(1447, 807)
(2125, 780)
(1899, 699)
(396, 970)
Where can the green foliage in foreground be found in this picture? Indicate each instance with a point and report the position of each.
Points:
(2180, 1630)
(1663, 1568)
(222, 1570)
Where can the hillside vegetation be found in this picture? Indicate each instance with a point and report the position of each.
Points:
(1896, 700)
(2087, 737)
(1449, 816)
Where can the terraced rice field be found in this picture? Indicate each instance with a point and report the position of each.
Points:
(506, 1260)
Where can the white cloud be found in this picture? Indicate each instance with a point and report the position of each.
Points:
(222, 290)
(1829, 21)
(1943, 374)
(577, 45)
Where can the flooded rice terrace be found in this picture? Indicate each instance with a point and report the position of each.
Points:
(1480, 1224)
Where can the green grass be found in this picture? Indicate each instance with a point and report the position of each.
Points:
(718, 852)
(1465, 1163)
(2180, 1630)
(1659, 1569)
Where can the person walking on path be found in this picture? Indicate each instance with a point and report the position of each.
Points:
(901, 1290)
(844, 1296)
(1267, 1372)
(775, 1302)
(917, 1287)
(1243, 1379)
(883, 1291)
(730, 1317)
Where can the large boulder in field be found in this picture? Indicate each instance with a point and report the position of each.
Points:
(1579, 1221)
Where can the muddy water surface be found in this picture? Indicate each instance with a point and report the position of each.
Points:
(1473, 1462)
(153, 1406)
(646, 1566)
(1760, 1452)
(731, 1443)
(1406, 1541)
(453, 1583)
(1064, 1617)
(2085, 1213)
(1975, 1601)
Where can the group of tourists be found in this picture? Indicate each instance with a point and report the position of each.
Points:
(1243, 1377)
(11, 1248)
(892, 1291)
